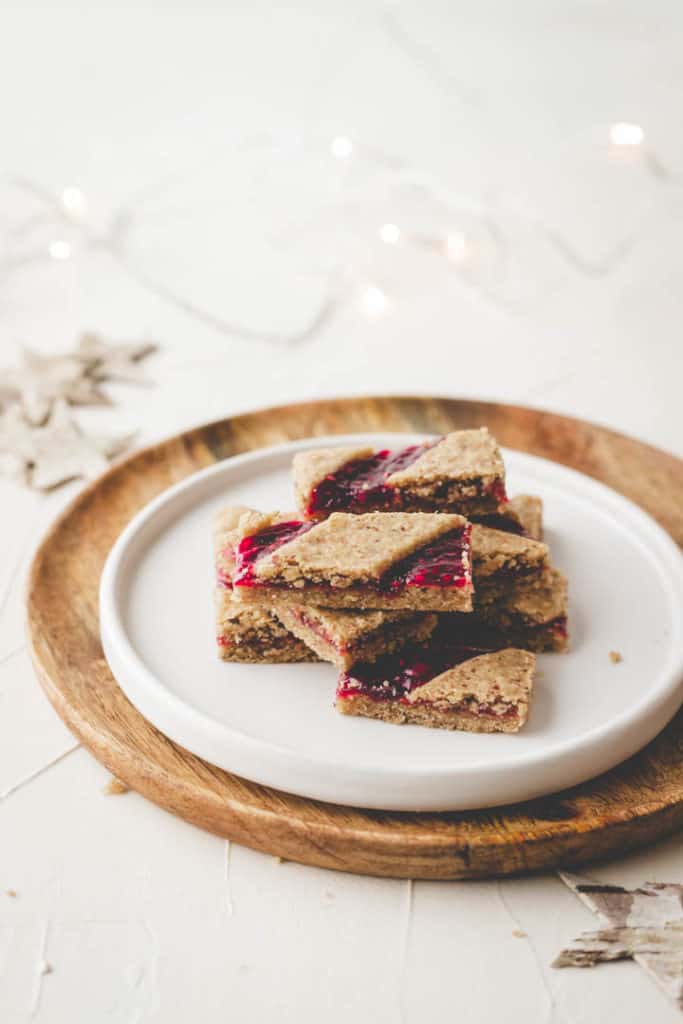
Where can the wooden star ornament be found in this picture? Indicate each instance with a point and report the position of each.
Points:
(16, 442)
(62, 452)
(107, 360)
(644, 924)
(42, 380)
(54, 453)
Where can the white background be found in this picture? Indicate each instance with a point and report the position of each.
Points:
(216, 214)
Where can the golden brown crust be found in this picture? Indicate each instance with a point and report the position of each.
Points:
(251, 522)
(226, 521)
(501, 677)
(461, 455)
(496, 552)
(527, 509)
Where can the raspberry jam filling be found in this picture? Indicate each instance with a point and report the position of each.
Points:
(319, 630)
(443, 563)
(364, 481)
(497, 491)
(223, 579)
(251, 548)
(394, 676)
(558, 626)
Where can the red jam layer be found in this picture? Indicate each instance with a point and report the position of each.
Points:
(443, 563)
(319, 630)
(394, 676)
(251, 548)
(223, 579)
(364, 482)
(497, 490)
(558, 626)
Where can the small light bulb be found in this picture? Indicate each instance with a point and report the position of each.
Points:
(456, 247)
(73, 200)
(389, 233)
(374, 302)
(59, 250)
(626, 134)
(341, 147)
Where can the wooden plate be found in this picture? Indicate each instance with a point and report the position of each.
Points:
(634, 804)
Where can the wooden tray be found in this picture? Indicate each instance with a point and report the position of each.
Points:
(634, 804)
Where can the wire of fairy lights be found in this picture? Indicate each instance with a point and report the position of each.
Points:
(65, 214)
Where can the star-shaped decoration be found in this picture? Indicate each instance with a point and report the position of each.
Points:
(644, 924)
(106, 360)
(16, 442)
(54, 453)
(63, 452)
(42, 380)
(40, 441)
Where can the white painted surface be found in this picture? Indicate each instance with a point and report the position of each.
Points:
(496, 106)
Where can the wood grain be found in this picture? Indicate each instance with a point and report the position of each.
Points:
(632, 805)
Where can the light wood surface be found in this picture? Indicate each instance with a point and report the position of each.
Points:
(629, 806)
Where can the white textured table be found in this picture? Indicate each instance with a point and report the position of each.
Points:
(212, 197)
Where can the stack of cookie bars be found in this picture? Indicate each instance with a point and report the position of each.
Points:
(409, 570)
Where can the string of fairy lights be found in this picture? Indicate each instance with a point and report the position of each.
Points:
(66, 214)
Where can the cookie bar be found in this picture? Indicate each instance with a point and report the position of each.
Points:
(501, 559)
(388, 560)
(247, 633)
(527, 509)
(344, 637)
(251, 634)
(448, 687)
(533, 618)
(462, 472)
(522, 514)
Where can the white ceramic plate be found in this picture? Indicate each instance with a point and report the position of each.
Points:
(275, 724)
